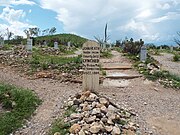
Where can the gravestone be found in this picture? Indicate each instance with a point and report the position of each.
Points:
(160, 47)
(143, 53)
(1, 41)
(56, 45)
(91, 56)
(45, 43)
(29, 44)
(171, 48)
(110, 45)
(69, 44)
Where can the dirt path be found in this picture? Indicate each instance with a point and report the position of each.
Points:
(158, 108)
(165, 59)
(51, 92)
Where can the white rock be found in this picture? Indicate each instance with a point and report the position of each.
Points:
(96, 111)
(103, 101)
(116, 131)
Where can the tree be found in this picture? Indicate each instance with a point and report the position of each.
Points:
(177, 41)
(27, 33)
(32, 32)
(52, 31)
(45, 32)
(9, 34)
(106, 36)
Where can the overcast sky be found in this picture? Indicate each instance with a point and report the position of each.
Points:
(155, 21)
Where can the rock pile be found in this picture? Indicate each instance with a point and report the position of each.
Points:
(13, 56)
(97, 115)
(50, 50)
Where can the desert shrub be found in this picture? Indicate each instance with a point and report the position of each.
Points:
(132, 47)
(176, 57)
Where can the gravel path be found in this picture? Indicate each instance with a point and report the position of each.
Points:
(51, 92)
(165, 59)
(157, 107)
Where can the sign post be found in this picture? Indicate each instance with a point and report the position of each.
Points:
(91, 56)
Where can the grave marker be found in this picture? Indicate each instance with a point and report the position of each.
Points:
(56, 45)
(45, 43)
(143, 53)
(1, 41)
(29, 44)
(91, 56)
(171, 48)
(69, 44)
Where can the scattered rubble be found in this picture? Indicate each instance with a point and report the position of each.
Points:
(151, 67)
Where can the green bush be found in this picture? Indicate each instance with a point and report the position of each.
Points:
(132, 47)
(20, 103)
(176, 57)
(106, 54)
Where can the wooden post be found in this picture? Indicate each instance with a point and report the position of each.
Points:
(91, 56)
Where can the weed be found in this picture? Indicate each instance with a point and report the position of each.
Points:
(106, 54)
(21, 103)
(59, 125)
(176, 57)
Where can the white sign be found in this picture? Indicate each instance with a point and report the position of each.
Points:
(29, 44)
(143, 53)
(91, 56)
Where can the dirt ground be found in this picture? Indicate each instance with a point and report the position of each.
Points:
(157, 108)
(165, 59)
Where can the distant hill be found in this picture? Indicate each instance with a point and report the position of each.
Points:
(62, 39)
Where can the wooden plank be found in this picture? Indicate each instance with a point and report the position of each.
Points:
(124, 77)
(91, 56)
(124, 67)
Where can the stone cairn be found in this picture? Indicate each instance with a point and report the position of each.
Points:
(97, 115)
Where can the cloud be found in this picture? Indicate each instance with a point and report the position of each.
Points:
(135, 26)
(133, 17)
(144, 14)
(13, 21)
(163, 6)
(16, 2)
(30, 11)
(154, 37)
(11, 15)
(168, 16)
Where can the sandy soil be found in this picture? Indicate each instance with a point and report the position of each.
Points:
(165, 59)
